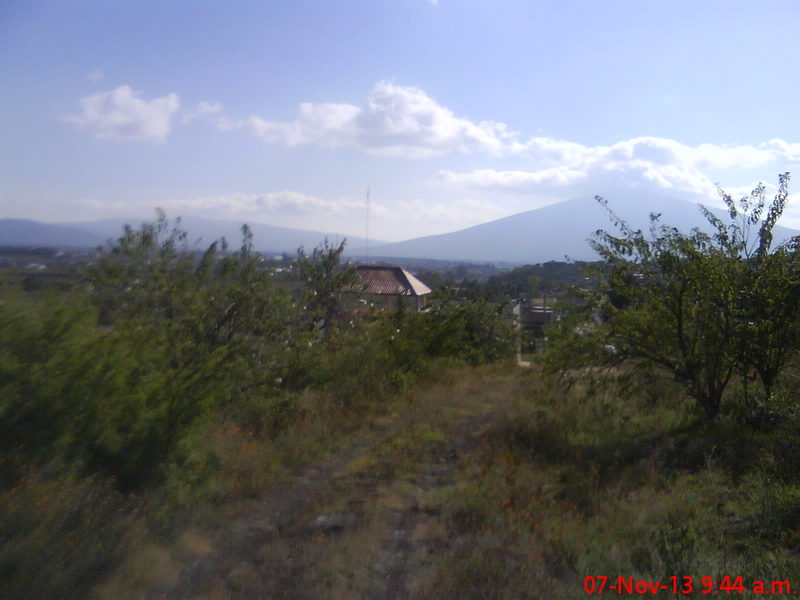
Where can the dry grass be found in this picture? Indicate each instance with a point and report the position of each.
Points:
(481, 482)
(599, 482)
(390, 484)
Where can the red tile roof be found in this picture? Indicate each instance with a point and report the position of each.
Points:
(393, 281)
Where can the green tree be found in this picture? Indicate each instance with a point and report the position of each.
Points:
(192, 336)
(325, 280)
(768, 301)
(472, 330)
(705, 307)
(215, 302)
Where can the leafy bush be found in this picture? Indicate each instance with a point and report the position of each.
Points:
(473, 331)
(705, 308)
(185, 378)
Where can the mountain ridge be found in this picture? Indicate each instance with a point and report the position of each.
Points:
(27, 232)
(201, 232)
(558, 231)
(553, 232)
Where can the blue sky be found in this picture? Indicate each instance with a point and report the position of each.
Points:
(453, 112)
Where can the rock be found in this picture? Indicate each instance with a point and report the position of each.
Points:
(334, 522)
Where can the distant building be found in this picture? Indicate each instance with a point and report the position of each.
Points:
(391, 286)
(535, 318)
(530, 317)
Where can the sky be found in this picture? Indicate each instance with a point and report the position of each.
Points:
(451, 112)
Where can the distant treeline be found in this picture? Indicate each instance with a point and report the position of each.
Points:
(521, 283)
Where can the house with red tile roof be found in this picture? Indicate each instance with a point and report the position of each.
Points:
(392, 285)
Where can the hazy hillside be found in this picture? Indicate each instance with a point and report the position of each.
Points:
(535, 236)
(23, 232)
(554, 231)
(267, 238)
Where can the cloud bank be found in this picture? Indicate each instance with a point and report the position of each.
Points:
(272, 203)
(122, 114)
(280, 203)
(396, 121)
(406, 123)
(639, 162)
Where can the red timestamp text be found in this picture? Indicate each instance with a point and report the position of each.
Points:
(685, 585)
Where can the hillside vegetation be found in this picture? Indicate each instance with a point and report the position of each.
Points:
(163, 382)
(662, 439)
(182, 425)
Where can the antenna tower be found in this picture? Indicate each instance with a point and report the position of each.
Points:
(367, 222)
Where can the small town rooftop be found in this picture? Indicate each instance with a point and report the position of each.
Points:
(390, 281)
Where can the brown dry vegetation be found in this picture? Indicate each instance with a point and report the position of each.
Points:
(498, 483)
(385, 483)
(488, 482)
(599, 482)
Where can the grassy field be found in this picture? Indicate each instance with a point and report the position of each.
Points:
(498, 482)
(465, 482)
(341, 525)
(594, 482)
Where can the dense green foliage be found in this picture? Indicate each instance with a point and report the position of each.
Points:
(709, 309)
(325, 281)
(534, 281)
(550, 280)
(153, 377)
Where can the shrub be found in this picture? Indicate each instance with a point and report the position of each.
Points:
(705, 308)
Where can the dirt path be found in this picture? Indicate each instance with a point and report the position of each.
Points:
(419, 533)
(366, 522)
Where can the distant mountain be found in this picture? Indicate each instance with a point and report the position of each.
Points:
(555, 231)
(535, 236)
(266, 238)
(23, 232)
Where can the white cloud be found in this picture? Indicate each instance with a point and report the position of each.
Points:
(203, 109)
(489, 179)
(640, 162)
(282, 203)
(95, 75)
(123, 115)
(789, 150)
(405, 122)
(272, 203)
(394, 121)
